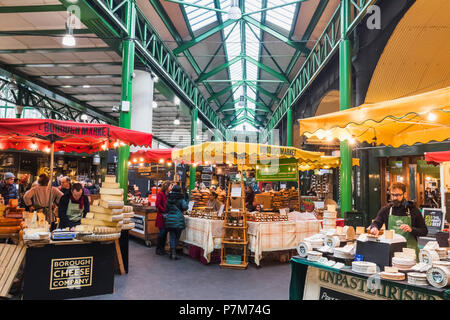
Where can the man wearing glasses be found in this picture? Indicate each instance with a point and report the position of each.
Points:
(401, 216)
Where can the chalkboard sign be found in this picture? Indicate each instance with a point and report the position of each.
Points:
(434, 220)
(111, 169)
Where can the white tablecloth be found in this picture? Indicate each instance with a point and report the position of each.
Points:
(274, 236)
(203, 233)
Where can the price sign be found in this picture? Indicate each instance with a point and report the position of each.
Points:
(434, 220)
(190, 206)
(221, 210)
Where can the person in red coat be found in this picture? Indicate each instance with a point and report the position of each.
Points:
(161, 201)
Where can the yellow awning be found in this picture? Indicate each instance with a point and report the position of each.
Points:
(326, 162)
(415, 119)
(240, 153)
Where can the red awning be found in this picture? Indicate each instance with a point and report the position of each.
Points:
(437, 157)
(151, 156)
(69, 136)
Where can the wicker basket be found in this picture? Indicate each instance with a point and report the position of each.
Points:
(100, 237)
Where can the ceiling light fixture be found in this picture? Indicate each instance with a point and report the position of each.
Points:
(177, 120)
(68, 40)
(154, 104)
(234, 13)
(241, 101)
(431, 116)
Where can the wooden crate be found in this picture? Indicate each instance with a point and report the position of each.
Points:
(11, 257)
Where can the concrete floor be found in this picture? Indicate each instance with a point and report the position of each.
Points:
(157, 277)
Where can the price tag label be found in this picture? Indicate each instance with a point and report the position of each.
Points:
(284, 211)
(221, 210)
(190, 206)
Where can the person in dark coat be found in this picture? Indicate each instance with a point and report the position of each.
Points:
(65, 185)
(72, 207)
(249, 198)
(175, 222)
(161, 201)
(7, 188)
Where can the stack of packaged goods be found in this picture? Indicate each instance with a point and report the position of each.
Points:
(221, 195)
(127, 215)
(196, 197)
(293, 199)
(329, 218)
(105, 220)
(36, 227)
(277, 201)
(205, 198)
(12, 211)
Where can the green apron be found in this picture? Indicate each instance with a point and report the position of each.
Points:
(74, 213)
(395, 222)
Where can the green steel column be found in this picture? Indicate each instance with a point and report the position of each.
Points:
(289, 127)
(194, 117)
(345, 89)
(126, 92)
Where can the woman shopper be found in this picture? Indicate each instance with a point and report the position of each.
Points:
(161, 201)
(39, 198)
(175, 222)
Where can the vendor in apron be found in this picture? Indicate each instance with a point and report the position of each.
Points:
(402, 217)
(73, 207)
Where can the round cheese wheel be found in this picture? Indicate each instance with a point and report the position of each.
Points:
(428, 256)
(438, 276)
(303, 248)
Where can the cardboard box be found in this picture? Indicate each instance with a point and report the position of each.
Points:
(265, 200)
(236, 203)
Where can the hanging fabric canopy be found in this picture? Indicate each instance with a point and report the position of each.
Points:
(415, 119)
(437, 157)
(239, 153)
(68, 136)
(326, 162)
(152, 156)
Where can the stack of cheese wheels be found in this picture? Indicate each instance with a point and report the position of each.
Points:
(128, 213)
(403, 263)
(364, 267)
(329, 218)
(418, 279)
(314, 256)
(105, 218)
(303, 248)
(391, 273)
(442, 252)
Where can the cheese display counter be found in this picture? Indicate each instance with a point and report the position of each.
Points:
(315, 281)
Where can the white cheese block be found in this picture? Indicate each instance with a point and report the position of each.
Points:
(90, 215)
(128, 226)
(105, 230)
(111, 185)
(314, 256)
(108, 217)
(128, 215)
(110, 179)
(364, 267)
(329, 215)
(110, 204)
(332, 242)
(112, 191)
(109, 197)
(84, 228)
(428, 256)
(94, 222)
(105, 210)
(96, 202)
(127, 209)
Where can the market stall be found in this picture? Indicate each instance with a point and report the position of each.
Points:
(273, 163)
(394, 271)
(108, 216)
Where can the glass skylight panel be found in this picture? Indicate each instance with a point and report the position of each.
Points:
(252, 6)
(283, 16)
(198, 17)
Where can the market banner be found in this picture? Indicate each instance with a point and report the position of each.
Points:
(286, 170)
(68, 136)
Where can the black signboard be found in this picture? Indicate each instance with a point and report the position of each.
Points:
(329, 294)
(434, 220)
(111, 169)
(69, 271)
